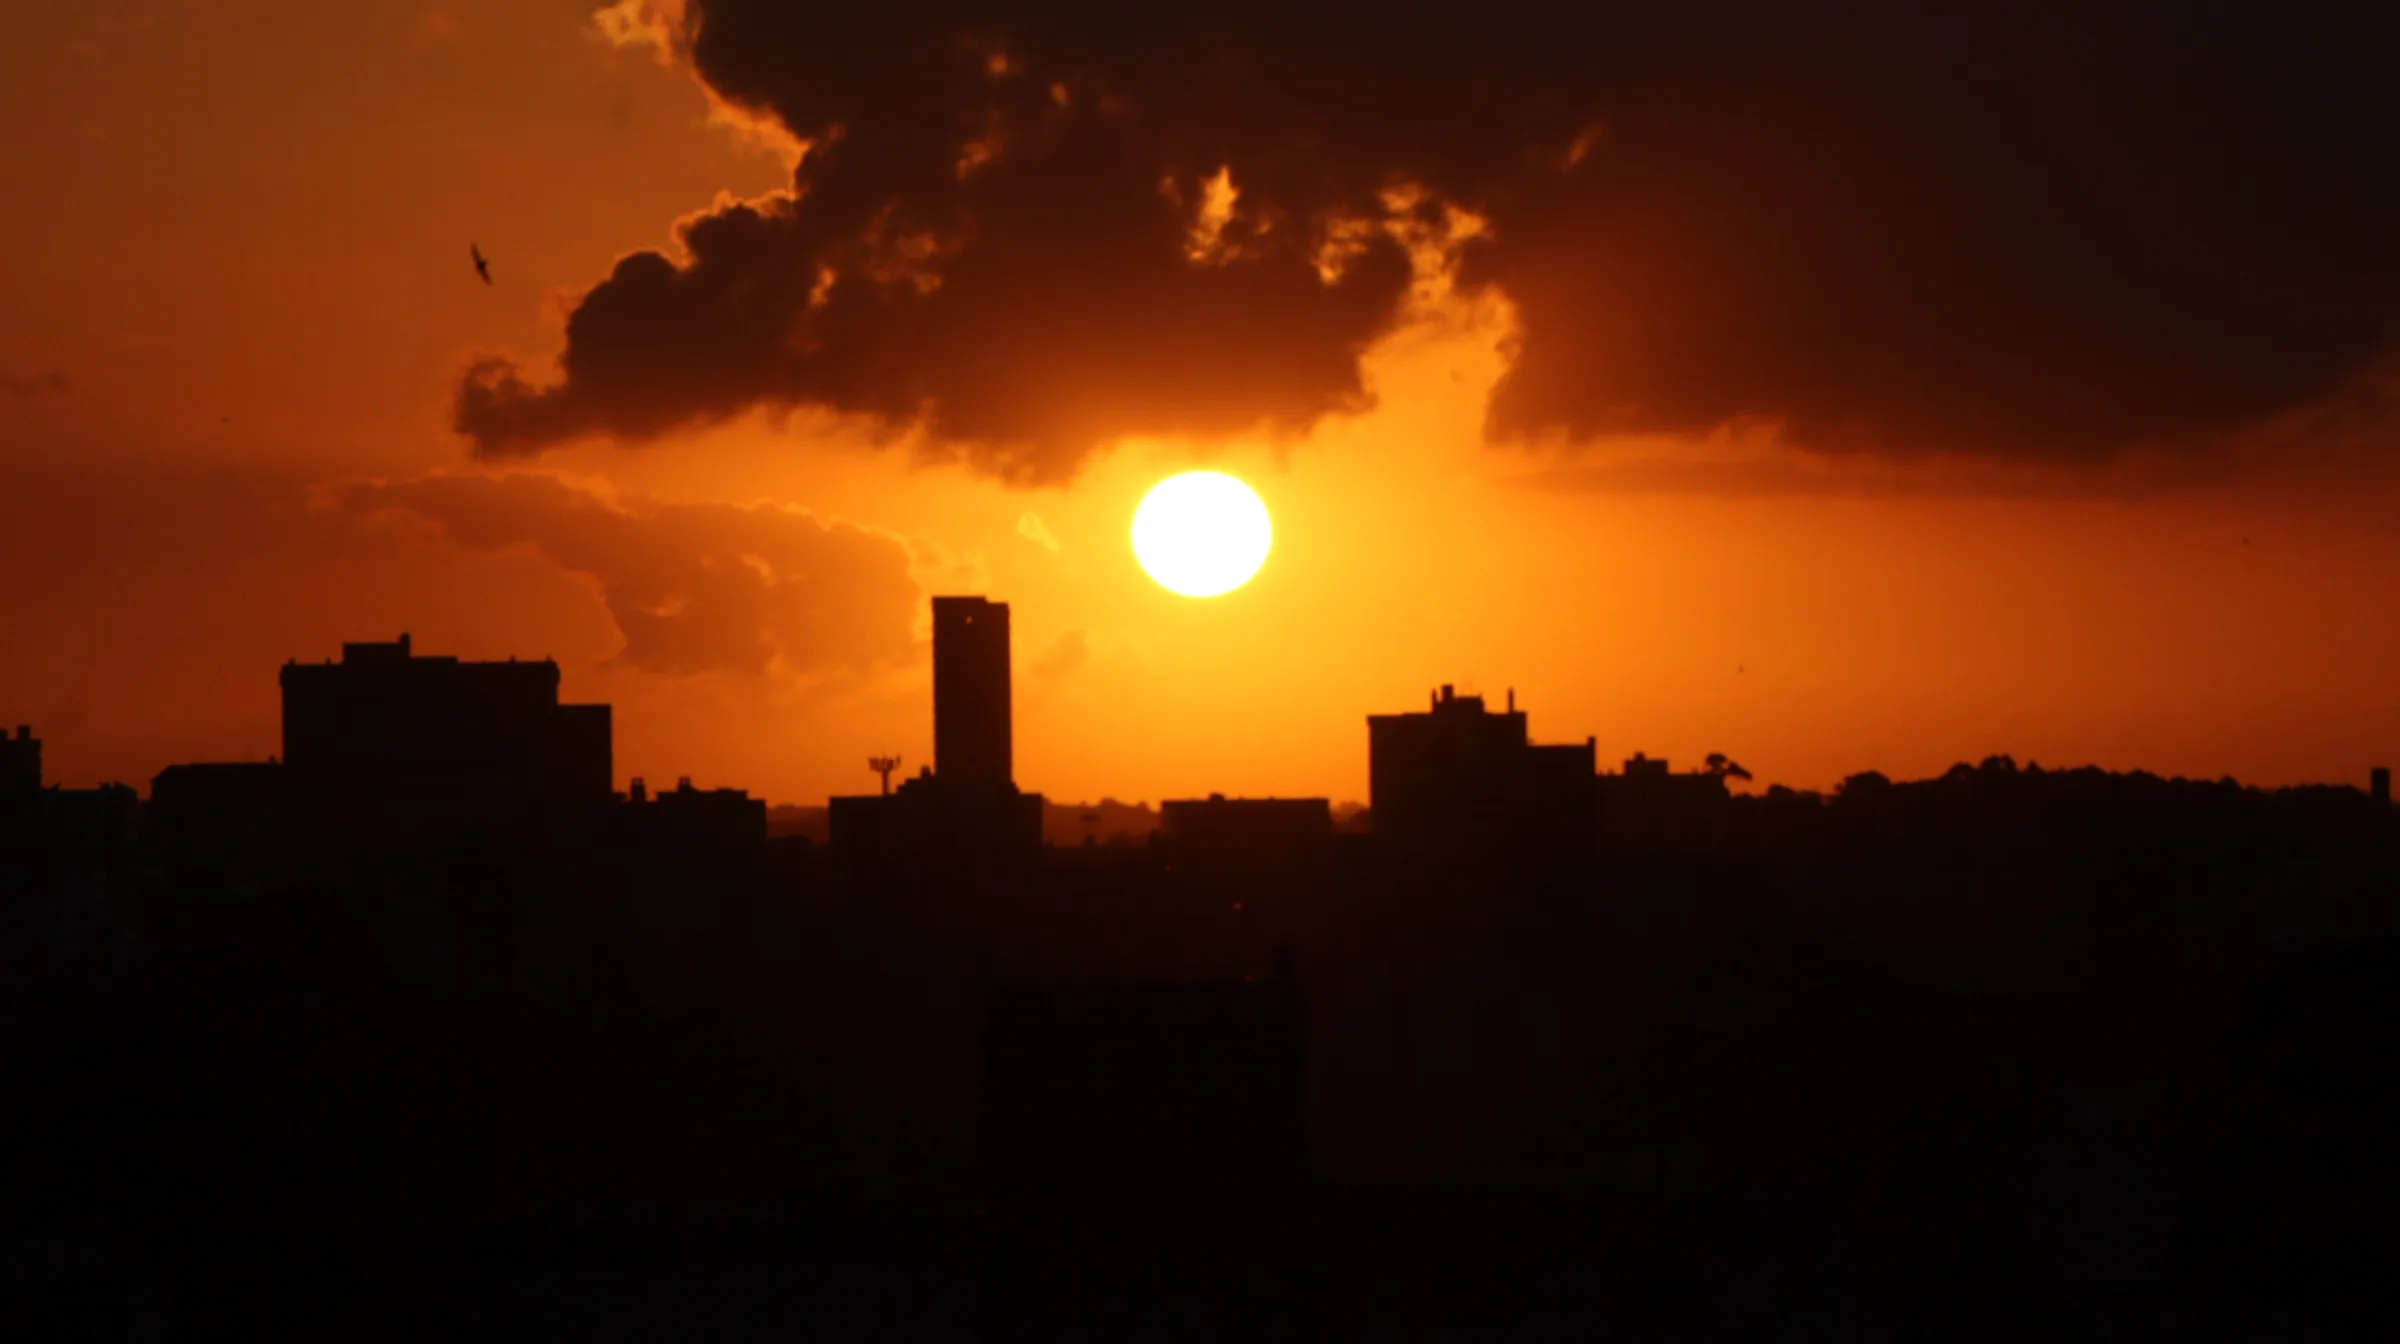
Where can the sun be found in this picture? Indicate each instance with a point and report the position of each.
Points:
(1201, 534)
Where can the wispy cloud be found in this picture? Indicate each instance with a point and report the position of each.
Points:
(1032, 529)
(692, 587)
(1065, 654)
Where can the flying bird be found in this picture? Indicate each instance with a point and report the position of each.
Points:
(482, 266)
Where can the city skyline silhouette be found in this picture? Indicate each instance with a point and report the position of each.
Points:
(429, 941)
(2055, 426)
(994, 707)
(720, 669)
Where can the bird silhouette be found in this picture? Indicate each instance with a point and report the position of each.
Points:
(482, 266)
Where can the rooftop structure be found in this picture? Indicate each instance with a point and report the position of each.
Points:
(1462, 773)
(20, 762)
(387, 722)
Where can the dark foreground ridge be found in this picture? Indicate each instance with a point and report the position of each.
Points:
(423, 1031)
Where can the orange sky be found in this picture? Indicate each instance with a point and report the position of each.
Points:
(240, 231)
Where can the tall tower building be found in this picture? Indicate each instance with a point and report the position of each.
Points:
(971, 737)
(964, 816)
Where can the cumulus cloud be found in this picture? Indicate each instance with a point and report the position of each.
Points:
(1886, 228)
(692, 587)
(639, 24)
(2342, 443)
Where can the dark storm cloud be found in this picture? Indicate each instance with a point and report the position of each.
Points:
(1998, 229)
(691, 587)
(2341, 442)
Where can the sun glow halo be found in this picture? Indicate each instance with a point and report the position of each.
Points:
(1201, 534)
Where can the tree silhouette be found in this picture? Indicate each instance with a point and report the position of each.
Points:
(1864, 782)
(1722, 766)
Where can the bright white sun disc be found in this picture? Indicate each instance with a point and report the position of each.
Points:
(1202, 533)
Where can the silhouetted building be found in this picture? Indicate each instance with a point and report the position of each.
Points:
(971, 723)
(1267, 827)
(966, 812)
(727, 821)
(1107, 822)
(1126, 1100)
(65, 870)
(1649, 806)
(20, 763)
(673, 904)
(221, 827)
(2379, 785)
(485, 738)
(1648, 778)
(1259, 867)
(1461, 773)
(929, 823)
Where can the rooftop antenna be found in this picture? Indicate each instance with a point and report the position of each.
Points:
(884, 766)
